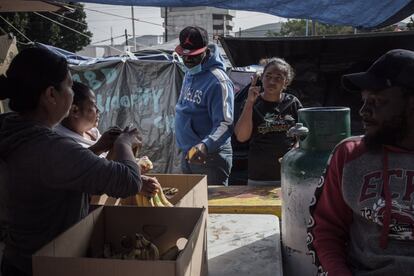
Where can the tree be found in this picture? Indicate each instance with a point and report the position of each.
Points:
(39, 29)
(297, 27)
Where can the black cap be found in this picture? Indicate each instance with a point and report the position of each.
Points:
(395, 68)
(193, 41)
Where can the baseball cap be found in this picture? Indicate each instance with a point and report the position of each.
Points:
(394, 68)
(193, 41)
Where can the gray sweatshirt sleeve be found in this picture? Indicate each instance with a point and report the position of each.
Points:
(67, 165)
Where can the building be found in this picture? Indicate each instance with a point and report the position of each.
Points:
(142, 42)
(217, 22)
(146, 40)
(260, 31)
(97, 51)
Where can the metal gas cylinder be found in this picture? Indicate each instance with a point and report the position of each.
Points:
(318, 131)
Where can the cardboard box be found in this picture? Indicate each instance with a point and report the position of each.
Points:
(192, 191)
(75, 251)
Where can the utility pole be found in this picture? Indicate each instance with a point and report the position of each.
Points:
(112, 38)
(165, 24)
(239, 31)
(126, 37)
(133, 28)
(307, 28)
(313, 27)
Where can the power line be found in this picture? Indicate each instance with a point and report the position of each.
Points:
(62, 25)
(17, 30)
(117, 15)
(119, 36)
(85, 24)
(76, 31)
(70, 19)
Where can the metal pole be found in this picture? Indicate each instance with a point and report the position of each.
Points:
(133, 28)
(126, 37)
(307, 28)
(313, 27)
(165, 24)
(112, 38)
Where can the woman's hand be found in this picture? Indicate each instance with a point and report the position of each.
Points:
(254, 91)
(150, 186)
(130, 136)
(107, 139)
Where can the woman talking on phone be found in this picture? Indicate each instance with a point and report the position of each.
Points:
(267, 115)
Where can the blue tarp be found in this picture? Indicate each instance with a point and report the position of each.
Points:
(72, 58)
(357, 13)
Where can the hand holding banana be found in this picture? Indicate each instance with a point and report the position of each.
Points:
(197, 154)
(152, 199)
(150, 186)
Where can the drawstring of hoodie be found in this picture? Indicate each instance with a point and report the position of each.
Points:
(387, 195)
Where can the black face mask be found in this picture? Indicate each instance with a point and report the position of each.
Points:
(191, 61)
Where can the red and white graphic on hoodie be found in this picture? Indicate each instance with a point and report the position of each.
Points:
(368, 195)
(402, 208)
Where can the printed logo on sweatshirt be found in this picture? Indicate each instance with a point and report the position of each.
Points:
(275, 123)
(402, 208)
(192, 95)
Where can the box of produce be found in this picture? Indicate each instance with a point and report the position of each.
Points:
(129, 241)
(181, 190)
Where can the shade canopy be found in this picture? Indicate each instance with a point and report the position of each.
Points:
(356, 13)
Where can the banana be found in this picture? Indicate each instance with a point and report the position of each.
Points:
(157, 201)
(138, 199)
(163, 199)
(146, 254)
(144, 241)
(154, 253)
(151, 202)
(137, 253)
(140, 249)
(130, 255)
(145, 201)
(138, 243)
(169, 191)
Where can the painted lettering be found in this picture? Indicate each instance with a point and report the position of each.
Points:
(90, 76)
(110, 74)
(125, 101)
(157, 95)
(165, 122)
(394, 173)
(76, 77)
(368, 185)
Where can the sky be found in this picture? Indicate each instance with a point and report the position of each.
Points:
(100, 24)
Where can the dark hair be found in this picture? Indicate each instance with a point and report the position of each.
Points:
(80, 93)
(281, 64)
(29, 74)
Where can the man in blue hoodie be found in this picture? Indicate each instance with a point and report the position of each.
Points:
(204, 112)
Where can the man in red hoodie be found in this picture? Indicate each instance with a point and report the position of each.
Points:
(362, 216)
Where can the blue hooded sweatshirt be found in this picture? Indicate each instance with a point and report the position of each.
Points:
(204, 112)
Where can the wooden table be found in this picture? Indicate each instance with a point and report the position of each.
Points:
(244, 200)
(244, 244)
